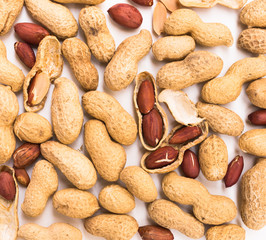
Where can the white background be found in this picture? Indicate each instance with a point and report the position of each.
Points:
(241, 106)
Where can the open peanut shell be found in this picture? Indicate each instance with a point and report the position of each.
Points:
(185, 112)
(8, 211)
(49, 63)
(139, 79)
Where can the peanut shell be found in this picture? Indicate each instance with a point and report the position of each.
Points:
(116, 199)
(75, 203)
(112, 226)
(139, 183)
(66, 111)
(226, 232)
(108, 157)
(256, 92)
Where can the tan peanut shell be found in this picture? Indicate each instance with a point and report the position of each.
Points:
(33, 128)
(253, 142)
(120, 124)
(75, 203)
(226, 89)
(49, 61)
(9, 12)
(77, 168)
(226, 232)
(66, 111)
(139, 79)
(253, 196)
(197, 67)
(235, 4)
(8, 211)
(108, 157)
(9, 109)
(207, 208)
(213, 158)
(169, 215)
(180, 147)
(89, 2)
(78, 55)
(254, 14)
(139, 183)
(44, 182)
(256, 92)
(221, 119)
(173, 47)
(112, 226)
(116, 199)
(56, 231)
(183, 21)
(56, 17)
(99, 38)
(10, 74)
(123, 67)
(253, 40)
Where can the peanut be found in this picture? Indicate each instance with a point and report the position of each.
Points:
(8, 211)
(159, 17)
(256, 92)
(253, 14)
(44, 182)
(33, 128)
(226, 89)
(197, 67)
(173, 47)
(108, 157)
(226, 232)
(150, 231)
(75, 203)
(169, 215)
(7, 186)
(234, 171)
(116, 199)
(221, 119)
(99, 38)
(25, 53)
(123, 67)
(207, 208)
(213, 158)
(78, 55)
(119, 123)
(185, 134)
(171, 5)
(112, 226)
(190, 164)
(183, 21)
(253, 196)
(66, 111)
(26, 154)
(48, 66)
(153, 123)
(77, 168)
(22, 176)
(253, 142)
(144, 2)
(8, 111)
(258, 117)
(56, 231)
(253, 40)
(31, 33)
(125, 15)
(9, 12)
(10, 74)
(139, 183)
(57, 18)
